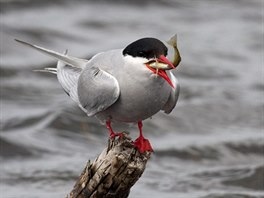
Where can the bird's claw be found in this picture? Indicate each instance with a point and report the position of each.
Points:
(119, 135)
(143, 145)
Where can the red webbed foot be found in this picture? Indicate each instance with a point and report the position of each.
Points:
(141, 143)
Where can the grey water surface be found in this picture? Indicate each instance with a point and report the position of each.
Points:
(210, 146)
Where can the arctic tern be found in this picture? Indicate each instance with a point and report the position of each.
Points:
(123, 85)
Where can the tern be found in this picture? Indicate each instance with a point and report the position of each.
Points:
(122, 85)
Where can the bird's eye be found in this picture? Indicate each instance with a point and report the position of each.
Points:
(166, 52)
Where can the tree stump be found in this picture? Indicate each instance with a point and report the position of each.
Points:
(113, 172)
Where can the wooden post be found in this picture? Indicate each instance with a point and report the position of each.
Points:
(113, 172)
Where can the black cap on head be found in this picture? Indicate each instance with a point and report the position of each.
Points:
(146, 48)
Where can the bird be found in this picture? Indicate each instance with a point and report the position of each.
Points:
(121, 85)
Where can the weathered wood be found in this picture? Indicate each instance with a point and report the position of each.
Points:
(113, 172)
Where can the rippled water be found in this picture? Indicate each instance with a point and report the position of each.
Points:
(210, 146)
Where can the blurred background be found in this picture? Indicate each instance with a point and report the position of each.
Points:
(210, 146)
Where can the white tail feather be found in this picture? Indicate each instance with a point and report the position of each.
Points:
(47, 70)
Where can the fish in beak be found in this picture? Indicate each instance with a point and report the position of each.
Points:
(159, 67)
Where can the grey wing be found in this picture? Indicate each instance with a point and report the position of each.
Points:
(68, 70)
(174, 95)
(68, 78)
(97, 90)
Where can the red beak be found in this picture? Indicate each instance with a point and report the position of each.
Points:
(162, 73)
(163, 59)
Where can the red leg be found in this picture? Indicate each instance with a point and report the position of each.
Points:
(141, 143)
(112, 134)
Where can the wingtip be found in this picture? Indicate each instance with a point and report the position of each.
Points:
(22, 42)
(19, 41)
(75, 62)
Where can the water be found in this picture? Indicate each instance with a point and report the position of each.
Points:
(210, 146)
